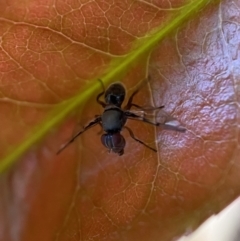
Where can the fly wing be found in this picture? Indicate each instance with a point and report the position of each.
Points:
(165, 120)
(168, 122)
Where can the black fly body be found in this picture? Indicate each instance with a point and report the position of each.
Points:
(114, 117)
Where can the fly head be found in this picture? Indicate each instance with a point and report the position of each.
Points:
(115, 94)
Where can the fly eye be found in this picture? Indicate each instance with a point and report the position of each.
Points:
(114, 99)
(114, 142)
(110, 99)
(117, 99)
(120, 99)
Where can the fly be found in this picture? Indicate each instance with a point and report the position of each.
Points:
(114, 117)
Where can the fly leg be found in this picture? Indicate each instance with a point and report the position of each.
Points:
(100, 94)
(136, 139)
(148, 108)
(100, 123)
(133, 116)
(96, 121)
(130, 104)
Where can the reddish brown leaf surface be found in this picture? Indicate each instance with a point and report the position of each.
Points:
(48, 52)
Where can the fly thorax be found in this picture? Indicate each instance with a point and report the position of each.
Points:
(113, 120)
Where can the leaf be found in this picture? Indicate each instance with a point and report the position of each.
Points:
(116, 67)
(85, 193)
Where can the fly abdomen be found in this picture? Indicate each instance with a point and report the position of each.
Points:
(114, 142)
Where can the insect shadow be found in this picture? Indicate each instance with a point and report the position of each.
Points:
(114, 117)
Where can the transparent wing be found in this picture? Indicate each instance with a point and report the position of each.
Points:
(166, 121)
